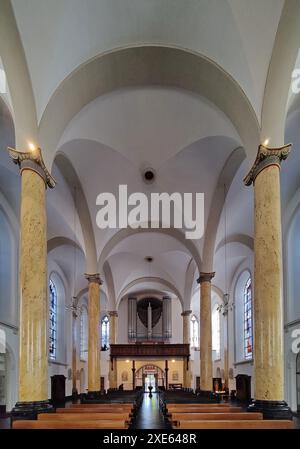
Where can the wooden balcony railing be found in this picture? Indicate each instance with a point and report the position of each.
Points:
(150, 350)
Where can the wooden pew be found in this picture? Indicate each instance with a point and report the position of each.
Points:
(91, 410)
(191, 404)
(171, 410)
(84, 416)
(261, 424)
(177, 417)
(96, 424)
(109, 405)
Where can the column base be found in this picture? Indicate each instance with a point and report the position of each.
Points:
(271, 409)
(30, 410)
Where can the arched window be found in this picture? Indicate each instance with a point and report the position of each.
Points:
(83, 334)
(248, 320)
(53, 320)
(194, 331)
(104, 333)
(215, 323)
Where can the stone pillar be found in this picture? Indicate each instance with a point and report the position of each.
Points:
(113, 326)
(187, 375)
(94, 336)
(205, 333)
(133, 374)
(33, 352)
(268, 302)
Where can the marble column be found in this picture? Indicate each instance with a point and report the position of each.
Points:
(94, 335)
(187, 375)
(205, 333)
(33, 352)
(268, 301)
(113, 324)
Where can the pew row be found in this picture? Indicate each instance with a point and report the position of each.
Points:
(91, 410)
(108, 405)
(171, 410)
(177, 417)
(84, 417)
(244, 424)
(96, 424)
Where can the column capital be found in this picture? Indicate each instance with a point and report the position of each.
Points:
(205, 277)
(95, 277)
(265, 157)
(112, 313)
(186, 313)
(32, 160)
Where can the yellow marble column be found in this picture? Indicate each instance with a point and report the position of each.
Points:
(113, 326)
(205, 332)
(268, 301)
(187, 375)
(94, 335)
(33, 355)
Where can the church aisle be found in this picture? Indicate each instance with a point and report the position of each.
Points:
(149, 415)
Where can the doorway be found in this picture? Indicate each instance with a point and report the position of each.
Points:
(150, 381)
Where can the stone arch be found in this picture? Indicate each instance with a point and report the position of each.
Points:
(65, 166)
(172, 232)
(156, 280)
(147, 65)
(284, 55)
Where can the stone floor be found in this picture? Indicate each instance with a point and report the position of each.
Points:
(149, 415)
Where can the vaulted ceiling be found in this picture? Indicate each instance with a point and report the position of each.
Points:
(122, 85)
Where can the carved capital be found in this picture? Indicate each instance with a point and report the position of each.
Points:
(112, 313)
(186, 313)
(266, 157)
(32, 160)
(205, 277)
(93, 278)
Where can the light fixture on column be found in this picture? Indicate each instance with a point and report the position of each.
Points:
(226, 304)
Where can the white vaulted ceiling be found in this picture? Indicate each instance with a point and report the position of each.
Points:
(59, 36)
(106, 125)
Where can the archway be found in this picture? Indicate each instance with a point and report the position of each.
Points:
(149, 375)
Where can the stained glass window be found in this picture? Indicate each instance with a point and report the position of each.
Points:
(248, 340)
(52, 320)
(194, 332)
(104, 333)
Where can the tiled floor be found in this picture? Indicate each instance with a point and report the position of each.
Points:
(149, 415)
